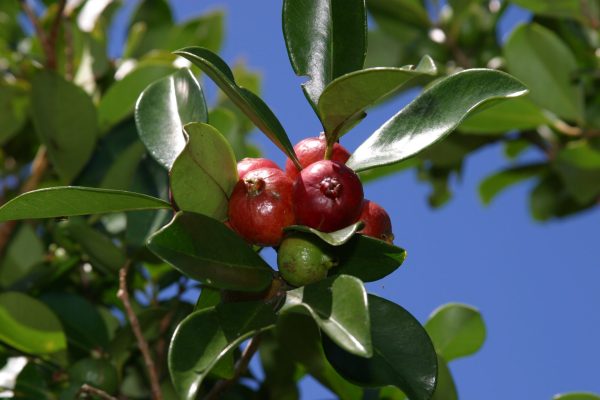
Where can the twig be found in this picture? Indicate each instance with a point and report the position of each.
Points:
(53, 36)
(123, 295)
(69, 53)
(38, 167)
(38, 29)
(240, 368)
(87, 389)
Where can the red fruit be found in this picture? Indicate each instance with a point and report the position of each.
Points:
(260, 206)
(377, 222)
(250, 164)
(327, 196)
(311, 150)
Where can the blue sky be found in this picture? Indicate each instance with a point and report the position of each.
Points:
(536, 284)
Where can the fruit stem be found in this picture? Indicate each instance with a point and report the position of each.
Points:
(329, 150)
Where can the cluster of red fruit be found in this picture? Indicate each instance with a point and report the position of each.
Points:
(325, 195)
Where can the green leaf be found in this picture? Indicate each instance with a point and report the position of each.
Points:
(325, 39)
(14, 104)
(254, 108)
(576, 396)
(403, 354)
(339, 306)
(445, 389)
(119, 101)
(204, 174)
(554, 8)
(65, 119)
(163, 109)
(432, 115)
(280, 369)
(121, 172)
(368, 259)
(208, 298)
(346, 98)
(206, 250)
(494, 184)
(336, 238)
(401, 12)
(456, 330)
(68, 201)
(30, 326)
(205, 336)
(549, 69)
(299, 338)
(513, 114)
(579, 168)
(82, 322)
(25, 250)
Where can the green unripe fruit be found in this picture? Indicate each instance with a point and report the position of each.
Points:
(99, 373)
(304, 259)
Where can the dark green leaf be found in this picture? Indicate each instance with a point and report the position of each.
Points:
(119, 100)
(29, 325)
(205, 31)
(65, 119)
(368, 259)
(299, 338)
(248, 102)
(339, 306)
(512, 114)
(336, 238)
(206, 250)
(347, 97)
(432, 115)
(494, 184)
(410, 12)
(99, 373)
(445, 389)
(149, 26)
(25, 250)
(325, 39)
(549, 69)
(579, 168)
(576, 396)
(280, 370)
(67, 201)
(554, 8)
(204, 174)
(403, 354)
(163, 109)
(14, 102)
(83, 324)
(207, 335)
(456, 330)
(208, 298)
(121, 172)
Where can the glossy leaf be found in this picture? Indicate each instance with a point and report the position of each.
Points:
(346, 98)
(513, 114)
(84, 326)
(403, 354)
(549, 69)
(456, 330)
(254, 108)
(432, 115)
(68, 132)
(29, 325)
(401, 12)
(368, 259)
(325, 39)
(339, 306)
(299, 338)
(336, 238)
(14, 103)
(163, 109)
(576, 396)
(445, 389)
(554, 8)
(204, 174)
(67, 201)
(494, 184)
(209, 297)
(119, 101)
(206, 250)
(205, 336)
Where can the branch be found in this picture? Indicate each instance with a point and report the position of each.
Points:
(240, 368)
(38, 28)
(52, 38)
(86, 389)
(123, 295)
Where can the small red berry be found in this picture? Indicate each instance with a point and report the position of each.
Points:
(327, 196)
(311, 150)
(260, 206)
(247, 164)
(377, 222)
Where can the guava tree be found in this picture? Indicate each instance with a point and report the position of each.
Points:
(119, 186)
(555, 54)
